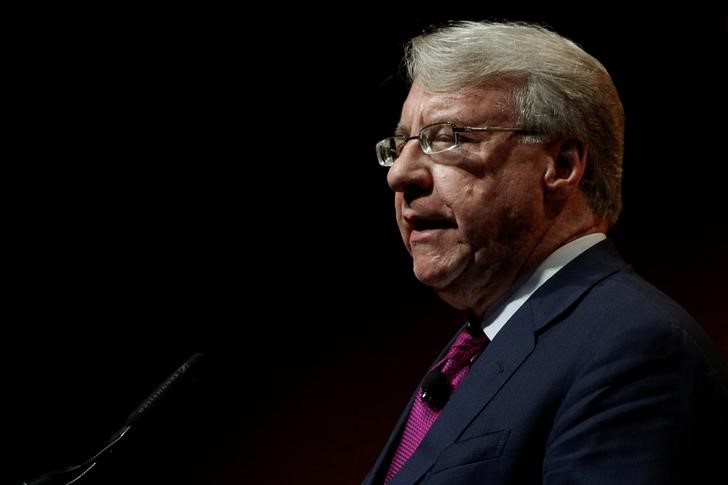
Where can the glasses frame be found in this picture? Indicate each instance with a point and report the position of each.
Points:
(427, 148)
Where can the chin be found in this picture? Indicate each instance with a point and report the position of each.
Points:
(436, 277)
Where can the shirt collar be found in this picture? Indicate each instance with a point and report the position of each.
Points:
(495, 320)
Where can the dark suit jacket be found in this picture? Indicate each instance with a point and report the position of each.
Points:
(599, 378)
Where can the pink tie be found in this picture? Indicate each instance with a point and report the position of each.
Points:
(437, 388)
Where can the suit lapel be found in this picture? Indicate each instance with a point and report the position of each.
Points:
(501, 359)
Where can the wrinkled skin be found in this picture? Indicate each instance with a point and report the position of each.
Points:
(471, 217)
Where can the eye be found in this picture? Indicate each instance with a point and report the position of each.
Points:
(443, 137)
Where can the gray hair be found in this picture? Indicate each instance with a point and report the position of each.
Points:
(556, 89)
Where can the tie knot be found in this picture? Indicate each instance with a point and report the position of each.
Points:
(469, 342)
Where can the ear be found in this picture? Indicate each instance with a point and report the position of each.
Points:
(565, 168)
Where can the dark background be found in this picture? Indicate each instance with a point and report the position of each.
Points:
(185, 181)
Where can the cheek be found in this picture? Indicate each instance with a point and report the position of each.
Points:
(473, 208)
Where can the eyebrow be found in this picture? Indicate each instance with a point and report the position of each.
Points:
(401, 130)
(457, 121)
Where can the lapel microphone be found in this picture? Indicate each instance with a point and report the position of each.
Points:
(436, 386)
(436, 389)
(151, 405)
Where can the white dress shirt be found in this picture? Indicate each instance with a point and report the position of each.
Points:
(496, 319)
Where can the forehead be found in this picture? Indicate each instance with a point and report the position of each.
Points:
(470, 107)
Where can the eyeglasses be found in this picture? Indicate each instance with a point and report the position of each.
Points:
(434, 138)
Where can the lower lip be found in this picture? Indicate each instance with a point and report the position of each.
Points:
(417, 236)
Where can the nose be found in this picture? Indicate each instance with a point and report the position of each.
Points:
(411, 171)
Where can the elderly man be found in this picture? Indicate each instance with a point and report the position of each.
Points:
(506, 168)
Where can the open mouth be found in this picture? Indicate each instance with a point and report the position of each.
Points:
(432, 224)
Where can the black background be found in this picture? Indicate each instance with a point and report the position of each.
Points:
(181, 181)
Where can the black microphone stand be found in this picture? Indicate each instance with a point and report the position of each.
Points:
(71, 474)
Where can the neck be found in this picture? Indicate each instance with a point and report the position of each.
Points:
(493, 283)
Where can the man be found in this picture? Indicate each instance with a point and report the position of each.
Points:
(506, 168)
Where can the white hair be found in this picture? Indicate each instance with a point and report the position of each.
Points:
(555, 88)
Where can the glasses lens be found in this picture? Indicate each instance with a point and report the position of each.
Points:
(438, 138)
(387, 152)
